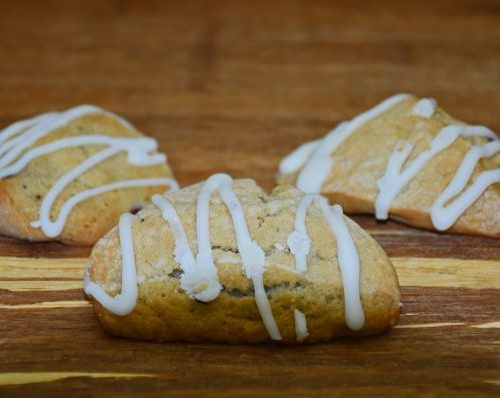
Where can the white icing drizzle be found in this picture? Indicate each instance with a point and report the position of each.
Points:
(17, 127)
(54, 228)
(300, 325)
(200, 280)
(395, 178)
(295, 160)
(347, 254)
(298, 241)
(425, 107)
(123, 303)
(444, 216)
(15, 156)
(316, 169)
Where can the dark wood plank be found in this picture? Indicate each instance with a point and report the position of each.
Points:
(452, 359)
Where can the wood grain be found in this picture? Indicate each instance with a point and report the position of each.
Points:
(233, 86)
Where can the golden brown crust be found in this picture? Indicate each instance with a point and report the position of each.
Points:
(21, 195)
(165, 313)
(361, 160)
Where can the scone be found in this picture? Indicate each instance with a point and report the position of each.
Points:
(409, 160)
(67, 176)
(224, 262)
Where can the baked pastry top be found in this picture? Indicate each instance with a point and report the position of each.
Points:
(68, 175)
(406, 159)
(224, 262)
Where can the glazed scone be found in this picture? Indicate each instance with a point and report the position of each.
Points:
(409, 160)
(68, 176)
(224, 262)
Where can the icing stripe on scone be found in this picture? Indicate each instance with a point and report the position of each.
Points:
(200, 280)
(444, 216)
(54, 228)
(124, 302)
(395, 178)
(195, 273)
(15, 156)
(298, 158)
(425, 107)
(318, 165)
(300, 325)
(27, 132)
(347, 254)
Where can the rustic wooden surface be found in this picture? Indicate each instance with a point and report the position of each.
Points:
(232, 86)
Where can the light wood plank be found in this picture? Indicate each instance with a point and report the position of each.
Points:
(47, 305)
(428, 325)
(412, 271)
(23, 268)
(488, 325)
(14, 378)
(39, 286)
(447, 272)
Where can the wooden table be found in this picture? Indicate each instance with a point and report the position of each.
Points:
(232, 86)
